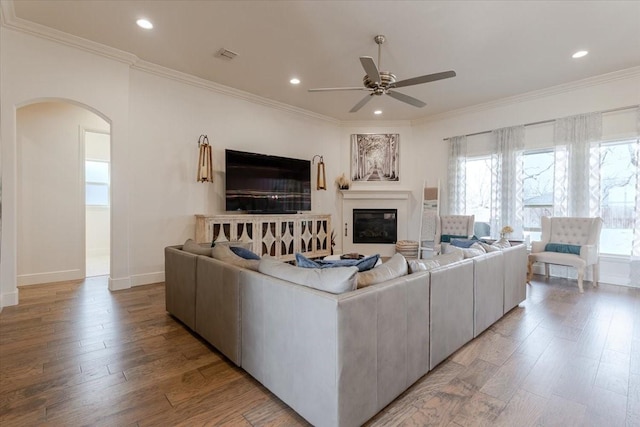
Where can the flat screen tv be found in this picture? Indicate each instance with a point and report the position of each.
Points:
(258, 183)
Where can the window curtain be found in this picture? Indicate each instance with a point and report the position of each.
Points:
(634, 270)
(457, 175)
(577, 165)
(507, 179)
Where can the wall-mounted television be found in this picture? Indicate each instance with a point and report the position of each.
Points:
(259, 183)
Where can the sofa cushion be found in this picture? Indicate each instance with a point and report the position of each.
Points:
(474, 250)
(563, 248)
(195, 248)
(334, 280)
(363, 264)
(243, 252)
(490, 248)
(225, 254)
(396, 266)
(416, 265)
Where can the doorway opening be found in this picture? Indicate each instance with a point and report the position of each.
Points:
(97, 181)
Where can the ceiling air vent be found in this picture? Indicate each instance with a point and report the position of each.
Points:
(225, 54)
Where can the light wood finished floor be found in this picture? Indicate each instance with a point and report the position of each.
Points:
(75, 354)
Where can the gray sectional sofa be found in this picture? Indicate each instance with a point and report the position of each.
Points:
(337, 360)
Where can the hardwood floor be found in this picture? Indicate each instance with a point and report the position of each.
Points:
(75, 354)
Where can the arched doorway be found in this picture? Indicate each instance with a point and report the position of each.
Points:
(54, 138)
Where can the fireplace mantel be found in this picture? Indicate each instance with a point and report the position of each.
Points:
(376, 194)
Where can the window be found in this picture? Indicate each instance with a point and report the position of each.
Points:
(537, 190)
(96, 183)
(478, 188)
(618, 174)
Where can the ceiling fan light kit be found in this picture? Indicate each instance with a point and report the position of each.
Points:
(381, 82)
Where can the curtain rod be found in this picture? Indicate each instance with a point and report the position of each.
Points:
(541, 122)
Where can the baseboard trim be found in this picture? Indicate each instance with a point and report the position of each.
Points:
(147, 279)
(119, 284)
(9, 299)
(49, 277)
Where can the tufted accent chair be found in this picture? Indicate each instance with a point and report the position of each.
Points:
(566, 231)
(452, 225)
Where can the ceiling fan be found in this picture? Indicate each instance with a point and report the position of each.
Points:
(382, 82)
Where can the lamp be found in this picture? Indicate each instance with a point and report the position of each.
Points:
(205, 168)
(321, 178)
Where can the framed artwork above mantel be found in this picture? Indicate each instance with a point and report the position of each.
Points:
(375, 157)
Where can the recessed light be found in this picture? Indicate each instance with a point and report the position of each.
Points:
(294, 81)
(580, 54)
(377, 112)
(144, 23)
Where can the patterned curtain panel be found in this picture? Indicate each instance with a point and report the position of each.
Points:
(577, 165)
(507, 179)
(634, 272)
(457, 175)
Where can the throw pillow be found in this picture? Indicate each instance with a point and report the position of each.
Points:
(364, 264)
(194, 248)
(473, 251)
(416, 265)
(243, 253)
(225, 254)
(451, 255)
(395, 267)
(463, 243)
(446, 238)
(334, 280)
(502, 244)
(490, 248)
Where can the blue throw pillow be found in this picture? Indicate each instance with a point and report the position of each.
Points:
(463, 243)
(304, 262)
(562, 248)
(363, 264)
(243, 253)
(446, 238)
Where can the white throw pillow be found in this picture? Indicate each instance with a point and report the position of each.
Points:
(416, 265)
(334, 280)
(396, 266)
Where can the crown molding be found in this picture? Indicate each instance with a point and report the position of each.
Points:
(10, 20)
(528, 96)
(375, 123)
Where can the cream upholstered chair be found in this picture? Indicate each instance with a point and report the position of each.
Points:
(568, 241)
(452, 226)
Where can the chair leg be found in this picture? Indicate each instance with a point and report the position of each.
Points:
(546, 270)
(596, 274)
(580, 277)
(529, 271)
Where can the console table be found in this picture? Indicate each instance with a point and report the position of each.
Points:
(280, 236)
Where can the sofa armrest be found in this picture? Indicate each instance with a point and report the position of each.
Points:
(589, 253)
(538, 246)
(180, 284)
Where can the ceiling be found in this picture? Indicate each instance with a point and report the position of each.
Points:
(497, 48)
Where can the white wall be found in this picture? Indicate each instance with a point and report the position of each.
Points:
(50, 191)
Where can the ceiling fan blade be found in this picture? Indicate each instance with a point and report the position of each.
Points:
(370, 68)
(424, 79)
(330, 89)
(406, 98)
(360, 104)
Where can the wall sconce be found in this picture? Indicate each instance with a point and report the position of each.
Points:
(205, 167)
(321, 178)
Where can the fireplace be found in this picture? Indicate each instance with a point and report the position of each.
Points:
(375, 225)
